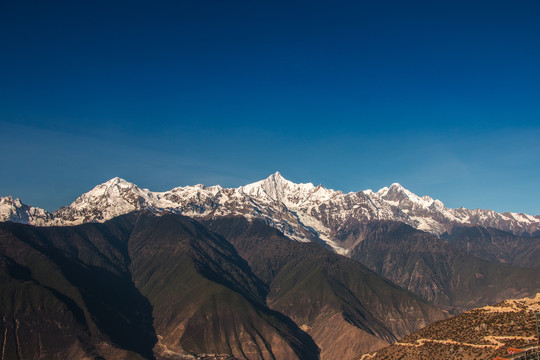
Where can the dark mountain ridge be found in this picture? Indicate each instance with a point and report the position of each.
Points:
(164, 286)
(496, 245)
(316, 288)
(442, 273)
(77, 277)
(138, 286)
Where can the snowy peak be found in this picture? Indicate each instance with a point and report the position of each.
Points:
(116, 180)
(9, 201)
(115, 183)
(113, 192)
(12, 209)
(395, 192)
(277, 188)
(105, 201)
(277, 177)
(399, 196)
(302, 211)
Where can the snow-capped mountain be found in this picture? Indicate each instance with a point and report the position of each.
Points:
(302, 211)
(14, 210)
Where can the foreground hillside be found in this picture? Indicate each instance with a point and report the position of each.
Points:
(482, 333)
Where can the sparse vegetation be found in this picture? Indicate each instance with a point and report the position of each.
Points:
(482, 333)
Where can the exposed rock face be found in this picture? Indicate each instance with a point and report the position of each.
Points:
(436, 270)
(344, 307)
(482, 333)
(301, 211)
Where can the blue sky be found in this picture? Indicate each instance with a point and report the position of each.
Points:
(440, 96)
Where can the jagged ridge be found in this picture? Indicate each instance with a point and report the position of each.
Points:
(301, 211)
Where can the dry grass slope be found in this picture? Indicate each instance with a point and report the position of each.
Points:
(482, 333)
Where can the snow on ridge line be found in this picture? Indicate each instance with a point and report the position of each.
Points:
(304, 208)
(277, 175)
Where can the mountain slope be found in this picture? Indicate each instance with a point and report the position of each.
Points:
(137, 286)
(496, 245)
(67, 293)
(345, 307)
(436, 270)
(205, 298)
(482, 333)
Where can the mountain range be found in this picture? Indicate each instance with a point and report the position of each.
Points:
(164, 286)
(303, 212)
(269, 270)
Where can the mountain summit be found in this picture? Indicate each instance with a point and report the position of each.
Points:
(277, 188)
(304, 212)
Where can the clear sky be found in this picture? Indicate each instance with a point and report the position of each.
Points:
(440, 96)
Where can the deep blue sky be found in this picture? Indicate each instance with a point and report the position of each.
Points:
(440, 96)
